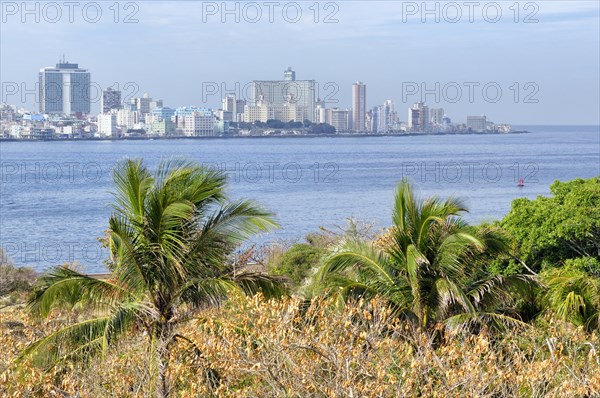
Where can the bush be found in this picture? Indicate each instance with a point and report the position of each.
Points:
(549, 230)
(297, 262)
(15, 282)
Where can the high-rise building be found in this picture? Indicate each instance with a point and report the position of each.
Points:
(64, 89)
(341, 119)
(359, 105)
(229, 106)
(279, 93)
(436, 115)
(372, 118)
(386, 117)
(418, 117)
(477, 123)
(289, 74)
(322, 114)
(239, 109)
(143, 104)
(111, 99)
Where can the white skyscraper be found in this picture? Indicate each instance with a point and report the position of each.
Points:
(385, 117)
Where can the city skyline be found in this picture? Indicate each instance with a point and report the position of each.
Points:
(322, 53)
(274, 93)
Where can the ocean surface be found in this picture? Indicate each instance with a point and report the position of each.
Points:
(55, 196)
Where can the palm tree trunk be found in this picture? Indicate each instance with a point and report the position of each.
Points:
(162, 353)
(163, 386)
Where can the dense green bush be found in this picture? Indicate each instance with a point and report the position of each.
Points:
(549, 230)
(298, 262)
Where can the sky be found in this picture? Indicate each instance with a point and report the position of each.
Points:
(516, 62)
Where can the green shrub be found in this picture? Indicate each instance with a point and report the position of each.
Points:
(297, 262)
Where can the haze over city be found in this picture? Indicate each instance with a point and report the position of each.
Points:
(172, 52)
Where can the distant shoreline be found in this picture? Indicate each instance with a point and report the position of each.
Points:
(341, 135)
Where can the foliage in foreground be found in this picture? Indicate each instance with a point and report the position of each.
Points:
(15, 282)
(280, 349)
(432, 268)
(171, 235)
(549, 230)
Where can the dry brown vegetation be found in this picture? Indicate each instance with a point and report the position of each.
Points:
(256, 347)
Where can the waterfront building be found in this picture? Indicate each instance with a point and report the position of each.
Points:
(477, 123)
(180, 114)
(233, 108)
(418, 117)
(239, 109)
(372, 118)
(143, 104)
(199, 123)
(162, 127)
(262, 112)
(226, 116)
(64, 89)
(436, 116)
(253, 113)
(359, 105)
(386, 117)
(341, 119)
(128, 118)
(107, 124)
(322, 114)
(229, 104)
(279, 93)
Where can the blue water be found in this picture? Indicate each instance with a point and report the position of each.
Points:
(55, 196)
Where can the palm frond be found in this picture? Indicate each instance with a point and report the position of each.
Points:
(76, 341)
(64, 288)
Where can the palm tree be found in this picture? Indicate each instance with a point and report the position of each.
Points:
(170, 238)
(574, 296)
(432, 269)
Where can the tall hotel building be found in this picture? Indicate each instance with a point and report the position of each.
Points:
(64, 89)
(359, 105)
(285, 100)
